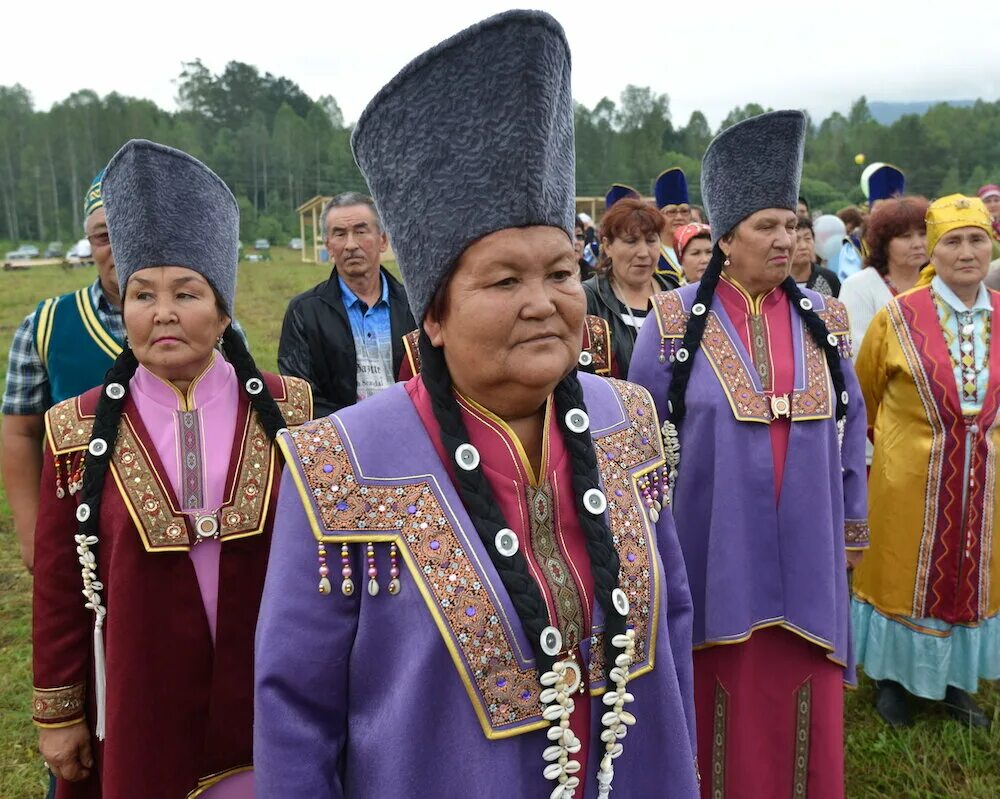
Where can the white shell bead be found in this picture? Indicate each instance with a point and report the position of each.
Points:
(552, 712)
(552, 771)
(549, 678)
(554, 733)
(548, 696)
(620, 641)
(627, 717)
(552, 753)
(610, 698)
(610, 718)
(623, 661)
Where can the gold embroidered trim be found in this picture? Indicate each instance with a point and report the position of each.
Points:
(856, 532)
(297, 403)
(597, 341)
(555, 570)
(58, 704)
(803, 714)
(670, 314)
(449, 580)
(67, 429)
(719, 717)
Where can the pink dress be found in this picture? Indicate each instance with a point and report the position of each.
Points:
(193, 435)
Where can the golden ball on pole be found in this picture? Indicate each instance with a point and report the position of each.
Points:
(859, 159)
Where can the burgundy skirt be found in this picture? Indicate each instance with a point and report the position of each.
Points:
(770, 717)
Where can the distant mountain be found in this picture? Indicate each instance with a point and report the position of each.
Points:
(887, 113)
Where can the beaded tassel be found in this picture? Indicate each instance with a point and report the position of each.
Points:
(393, 570)
(650, 493)
(347, 587)
(60, 492)
(372, 570)
(324, 571)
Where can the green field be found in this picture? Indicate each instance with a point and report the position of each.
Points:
(936, 758)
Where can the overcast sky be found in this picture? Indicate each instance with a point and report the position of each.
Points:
(715, 54)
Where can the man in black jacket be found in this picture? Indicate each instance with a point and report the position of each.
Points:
(345, 335)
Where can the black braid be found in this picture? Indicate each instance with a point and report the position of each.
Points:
(246, 369)
(477, 497)
(604, 562)
(820, 334)
(693, 333)
(107, 415)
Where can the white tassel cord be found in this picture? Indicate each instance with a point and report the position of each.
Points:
(100, 676)
(91, 590)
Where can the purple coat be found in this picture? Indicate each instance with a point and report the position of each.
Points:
(405, 695)
(753, 563)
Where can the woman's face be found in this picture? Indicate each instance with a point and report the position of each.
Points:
(172, 320)
(993, 205)
(696, 257)
(514, 319)
(634, 256)
(760, 249)
(909, 251)
(805, 248)
(580, 238)
(962, 258)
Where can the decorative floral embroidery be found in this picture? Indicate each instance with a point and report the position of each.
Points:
(597, 341)
(68, 429)
(748, 404)
(803, 717)
(856, 532)
(719, 718)
(53, 705)
(413, 511)
(555, 570)
(412, 347)
(162, 525)
(358, 511)
(670, 314)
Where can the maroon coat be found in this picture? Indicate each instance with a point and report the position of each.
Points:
(179, 711)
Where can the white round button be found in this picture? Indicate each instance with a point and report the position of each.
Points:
(845, 398)
(620, 601)
(681, 355)
(467, 457)
(805, 304)
(577, 420)
(115, 391)
(698, 309)
(507, 542)
(595, 501)
(831, 340)
(254, 386)
(551, 640)
(83, 512)
(586, 359)
(98, 447)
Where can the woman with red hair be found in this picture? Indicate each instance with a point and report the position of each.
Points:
(626, 276)
(897, 250)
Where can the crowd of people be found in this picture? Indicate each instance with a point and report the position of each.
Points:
(572, 507)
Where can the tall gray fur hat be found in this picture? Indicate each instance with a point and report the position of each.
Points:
(165, 208)
(473, 136)
(755, 164)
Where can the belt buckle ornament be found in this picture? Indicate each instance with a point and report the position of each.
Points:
(781, 406)
(206, 526)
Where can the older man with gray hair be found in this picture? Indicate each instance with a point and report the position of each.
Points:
(345, 335)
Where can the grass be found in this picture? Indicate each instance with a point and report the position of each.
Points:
(936, 758)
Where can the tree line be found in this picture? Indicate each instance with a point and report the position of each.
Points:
(276, 147)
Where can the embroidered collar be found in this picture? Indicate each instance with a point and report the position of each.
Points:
(982, 302)
(203, 388)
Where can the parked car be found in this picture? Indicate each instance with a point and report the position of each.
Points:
(22, 253)
(295, 244)
(30, 249)
(262, 244)
(54, 250)
(79, 251)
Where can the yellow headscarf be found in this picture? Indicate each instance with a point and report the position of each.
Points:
(953, 212)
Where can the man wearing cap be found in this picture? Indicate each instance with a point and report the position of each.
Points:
(764, 430)
(60, 350)
(345, 335)
(671, 191)
(475, 590)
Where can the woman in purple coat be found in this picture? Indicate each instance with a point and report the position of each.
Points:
(473, 590)
(764, 428)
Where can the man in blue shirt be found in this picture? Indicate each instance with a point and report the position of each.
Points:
(345, 335)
